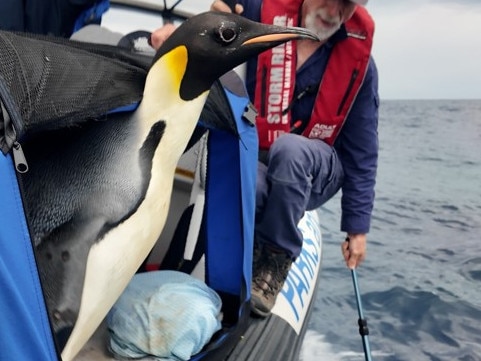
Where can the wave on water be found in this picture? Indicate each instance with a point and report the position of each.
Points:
(405, 325)
(316, 348)
(423, 325)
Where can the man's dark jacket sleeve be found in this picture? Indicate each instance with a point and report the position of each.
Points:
(357, 146)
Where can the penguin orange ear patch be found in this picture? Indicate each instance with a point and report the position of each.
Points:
(176, 61)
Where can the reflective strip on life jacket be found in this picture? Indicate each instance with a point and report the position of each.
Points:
(276, 72)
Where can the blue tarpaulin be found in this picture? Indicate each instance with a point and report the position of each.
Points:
(25, 333)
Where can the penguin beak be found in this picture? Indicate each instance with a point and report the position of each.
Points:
(279, 35)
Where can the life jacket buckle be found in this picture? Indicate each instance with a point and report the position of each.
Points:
(250, 114)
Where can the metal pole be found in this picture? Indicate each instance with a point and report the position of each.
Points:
(363, 329)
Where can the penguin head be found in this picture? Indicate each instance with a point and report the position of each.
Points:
(210, 44)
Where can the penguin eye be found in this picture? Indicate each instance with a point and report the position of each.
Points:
(227, 33)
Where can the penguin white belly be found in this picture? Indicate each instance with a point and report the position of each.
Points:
(113, 261)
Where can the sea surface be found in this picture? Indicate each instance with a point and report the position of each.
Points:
(421, 282)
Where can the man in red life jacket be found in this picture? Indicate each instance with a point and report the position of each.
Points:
(315, 137)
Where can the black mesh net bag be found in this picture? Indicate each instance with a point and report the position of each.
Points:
(50, 83)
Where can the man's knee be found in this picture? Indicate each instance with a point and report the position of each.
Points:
(288, 147)
(290, 159)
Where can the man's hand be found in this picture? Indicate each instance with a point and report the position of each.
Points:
(219, 5)
(161, 34)
(354, 249)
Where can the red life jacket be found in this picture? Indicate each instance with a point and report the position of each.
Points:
(342, 79)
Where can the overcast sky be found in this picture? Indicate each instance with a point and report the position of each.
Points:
(424, 49)
(428, 49)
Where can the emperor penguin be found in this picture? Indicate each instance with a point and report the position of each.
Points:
(97, 195)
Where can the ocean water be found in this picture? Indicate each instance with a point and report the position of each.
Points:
(421, 282)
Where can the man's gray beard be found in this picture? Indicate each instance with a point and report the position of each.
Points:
(323, 34)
